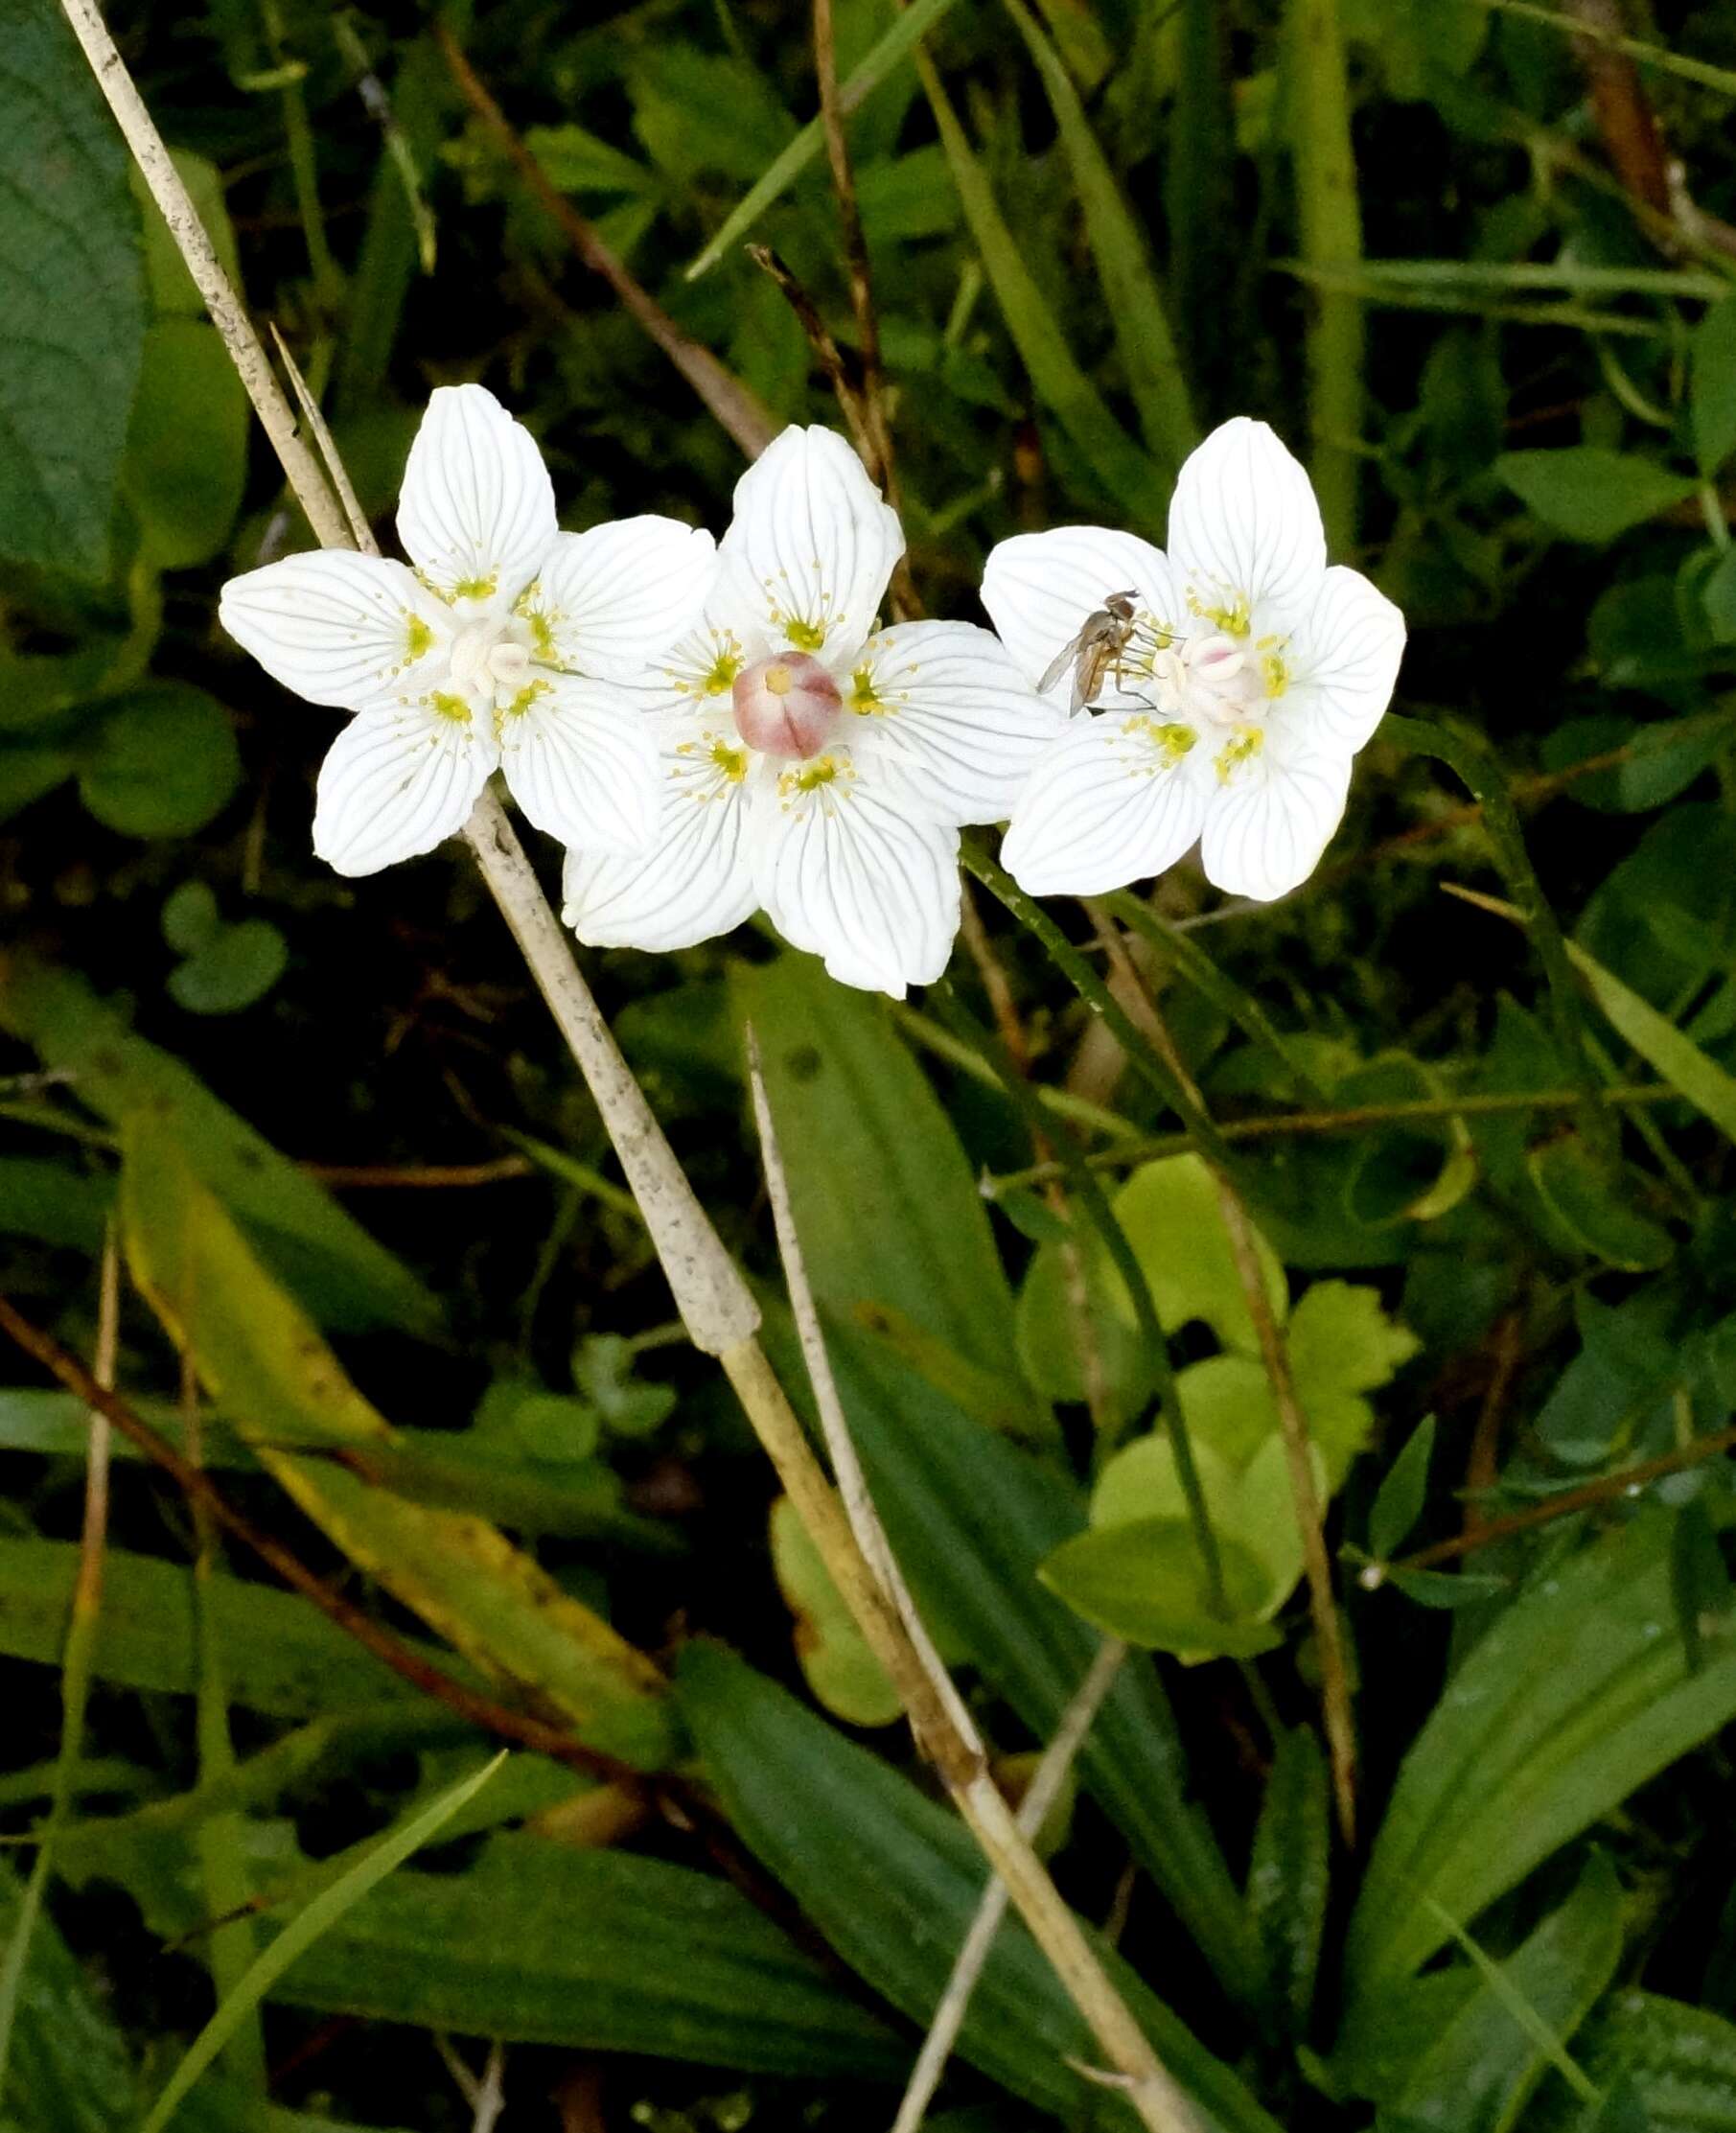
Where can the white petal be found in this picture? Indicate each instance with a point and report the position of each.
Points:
(1039, 587)
(1344, 660)
(811, 548)
(1112, 802)
(613, 598)
(954, 723)
(395, 783)
(1268, 824)
(850, 874)
(696, 881)
(336, 628)
(476, 513)
(1245, 525)
(581, 760)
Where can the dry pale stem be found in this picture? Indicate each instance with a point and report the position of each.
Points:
(853, 1544)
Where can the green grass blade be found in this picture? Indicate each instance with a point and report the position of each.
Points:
(1688, 1070)
(1141, 324)
(1331, 218)
(300, 1934)
(1125, 472)
(897, 44)
(1677, 64)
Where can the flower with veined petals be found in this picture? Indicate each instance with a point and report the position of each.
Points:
(814, 765)
(507, 646)
(1251, 675)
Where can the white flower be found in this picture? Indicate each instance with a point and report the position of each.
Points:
(1251, 676)
(507, 646)
(813, 765)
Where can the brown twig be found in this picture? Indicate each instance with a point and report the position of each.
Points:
(1482, 1468)
(853, 401)
(879, 456)
(519, 1727)
(738, 411)
(421, 1176)
(1609, 1488)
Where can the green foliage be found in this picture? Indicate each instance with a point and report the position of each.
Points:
(72, 313)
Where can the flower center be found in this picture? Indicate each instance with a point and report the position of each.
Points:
(1210, 679)
(785, 706)
(489, 662)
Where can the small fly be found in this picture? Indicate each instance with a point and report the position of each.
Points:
(1095, 650)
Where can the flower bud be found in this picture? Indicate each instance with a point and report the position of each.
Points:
(785, 706)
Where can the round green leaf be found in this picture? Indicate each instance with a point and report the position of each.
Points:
(164, 762)
(190, 917)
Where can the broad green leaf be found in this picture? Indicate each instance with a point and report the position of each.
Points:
(1120, 467)
(264, 1361)
(1591, 494)
(304, 1236)
(383, 1857)
(1661, 1044)
(576, 161)
(886, 1206)
(163, 764)
(535, 1942)
(1146, 1581)
(836, 1662)
(282, 1657)
(1575, 1696)
(867, 1856)
(1479, 2072)
(1142, 338)
(72, 301)
(1288, 1875)
(1403, 1493)
(970, 1516)
(893, 50)
(1713, 392)
(187, 446)
(1173, 1218)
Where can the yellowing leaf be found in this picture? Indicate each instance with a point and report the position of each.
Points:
(282, 1388)
(843, 1673)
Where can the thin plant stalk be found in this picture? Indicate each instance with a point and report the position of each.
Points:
(874, 1591)
(1040, 1796)
(76, 1660)
(1331, 232)
(714, 1303)
(1292, 1422)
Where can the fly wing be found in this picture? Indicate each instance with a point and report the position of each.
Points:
(1063, 659)
(1089, 669)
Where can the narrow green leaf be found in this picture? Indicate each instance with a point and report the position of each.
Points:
(264, 1359)
(536, 1943)
(1713, 400)
(394, 1847)
(1577, 1694)
(866, 1854)
(1403, 1493)
(1123, 469)
(1707, 1085)
(896, 46)
(1142, 337)
(886, 1206)
(1289, 1874)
